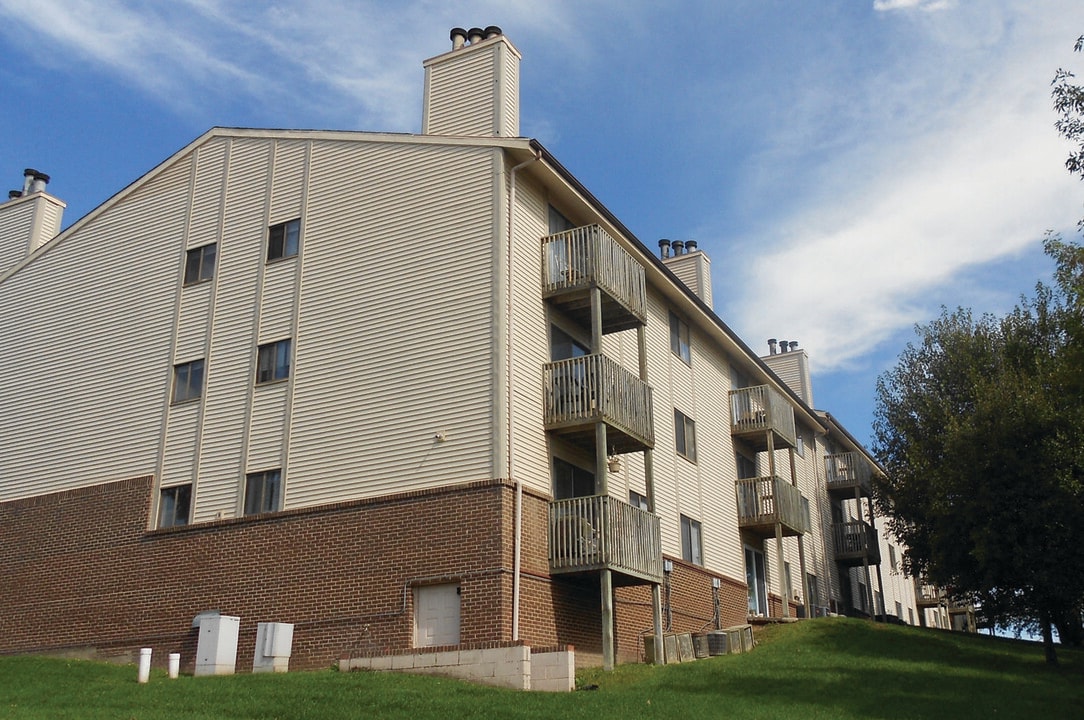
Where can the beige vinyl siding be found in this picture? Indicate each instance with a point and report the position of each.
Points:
(244, 182)
(95, 359)
(278, 299)
(531, 345)
(192, 321)
(508, 118)
(181, 443)
(267, 427)
(287, 191)
(16, 218)
(394, 342)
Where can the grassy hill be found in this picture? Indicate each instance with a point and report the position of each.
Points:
(829, 668)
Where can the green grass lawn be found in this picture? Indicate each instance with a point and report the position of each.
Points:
(830, 668)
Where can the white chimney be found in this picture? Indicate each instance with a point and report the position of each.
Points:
(473, 90)
(28, 219)
(692, 267)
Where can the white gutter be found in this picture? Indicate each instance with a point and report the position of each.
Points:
(517, 552)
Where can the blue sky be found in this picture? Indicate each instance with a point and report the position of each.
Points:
(849, 166)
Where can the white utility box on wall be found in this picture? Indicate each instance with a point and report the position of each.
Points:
(274, 643)
(216, 651)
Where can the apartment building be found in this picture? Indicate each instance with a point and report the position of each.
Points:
(401, 391)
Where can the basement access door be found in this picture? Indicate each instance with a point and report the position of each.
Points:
(436, 615)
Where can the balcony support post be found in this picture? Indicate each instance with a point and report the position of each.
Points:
(607, 620)
(782, 569)
(804, 584)
(656, 619)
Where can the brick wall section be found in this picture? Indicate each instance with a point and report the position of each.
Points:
(80, 571)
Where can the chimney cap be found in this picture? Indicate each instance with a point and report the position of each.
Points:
(492, 31)
(36, 174)
(690, 245)
(457, 31)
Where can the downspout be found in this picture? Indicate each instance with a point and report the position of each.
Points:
(518, 539)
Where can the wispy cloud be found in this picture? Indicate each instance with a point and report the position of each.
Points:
(965, 170)
(927, 5)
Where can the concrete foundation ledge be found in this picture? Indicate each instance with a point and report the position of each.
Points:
(511, 665)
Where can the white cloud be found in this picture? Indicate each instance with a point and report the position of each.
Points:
(927, 5)
(967, 170)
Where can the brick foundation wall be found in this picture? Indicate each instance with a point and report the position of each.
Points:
(82, 574)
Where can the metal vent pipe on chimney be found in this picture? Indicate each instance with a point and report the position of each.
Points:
(34, 181)
(793, 345)
(459, 38)
(679, 247)
(782, 346)
(492, 31)
(771, 346)
(664, 248)
(690, 246)
(476, 35)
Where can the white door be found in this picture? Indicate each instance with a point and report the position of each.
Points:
(436, 615)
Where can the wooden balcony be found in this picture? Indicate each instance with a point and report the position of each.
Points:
(765, 501)
(583, 391)
(577, 260)
(927, 595)
(846, 473)
(600, 532)
(855, 543)
(757, 411)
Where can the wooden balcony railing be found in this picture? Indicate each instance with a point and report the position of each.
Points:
(855, 542)
(590, 389)
(600, 532)
(754, 411)
(847, 472)
(576, 260)
(765, 501)
(927, 595)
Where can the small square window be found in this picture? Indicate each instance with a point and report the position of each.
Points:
(187, 381)
(173, 506)
(263, 492)
(273, 362)
(691, 549)
(283, 240)
(638, 501)
(685, 435)
(679, 339)
(199, 264)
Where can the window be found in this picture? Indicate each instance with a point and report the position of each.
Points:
(899, 610)
(685, 434)
(911, 615)
(263, 491)
(814, 592)
(173, 505)
(800, 449)
(892, 558)
(283, 240)
(746, 468)
(570, 481)
(563, 346)
(187, 381)
(679, 339)
(557, 222)
(199, 264)
(273, 362)
(756, 574)
(862, 602)
(638, 501)
(786, 579)
(690, 541)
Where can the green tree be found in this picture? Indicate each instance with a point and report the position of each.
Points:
(981, 437)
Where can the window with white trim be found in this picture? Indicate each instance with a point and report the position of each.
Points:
(263, 492)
